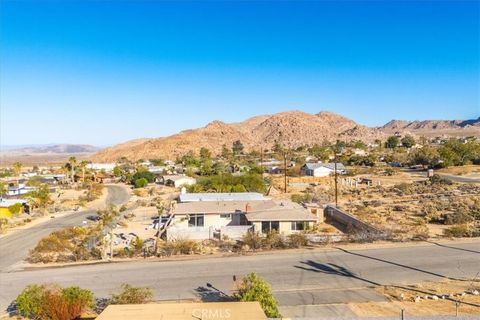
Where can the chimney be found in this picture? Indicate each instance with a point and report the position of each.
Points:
(248, 208)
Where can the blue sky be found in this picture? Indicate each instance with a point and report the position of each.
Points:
(105, 72)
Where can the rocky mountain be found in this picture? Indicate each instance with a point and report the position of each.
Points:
(433, 128)
(291, 129)
(51, 149)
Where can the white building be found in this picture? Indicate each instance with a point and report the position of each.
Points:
(176, 181)
(322, 169)
(108, 167)
(18, 190)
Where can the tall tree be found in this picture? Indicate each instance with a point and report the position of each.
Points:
(392, 142)
(237, 147)
(408, 141)
(17, 168)
(83, 166)
(72, 161)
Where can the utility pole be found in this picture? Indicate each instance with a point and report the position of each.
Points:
(261, 159)
(285, 170)
(111, 244)
(336, 182)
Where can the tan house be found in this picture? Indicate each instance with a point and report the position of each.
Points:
(207, 220)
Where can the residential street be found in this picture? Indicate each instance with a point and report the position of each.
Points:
(303, 282)
(14, 247)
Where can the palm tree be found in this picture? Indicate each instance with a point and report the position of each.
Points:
(17, 168)
(83, 166)
(72, 161)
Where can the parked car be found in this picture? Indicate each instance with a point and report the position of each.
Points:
(93, 218)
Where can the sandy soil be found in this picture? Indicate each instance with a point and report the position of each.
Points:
(426, 305)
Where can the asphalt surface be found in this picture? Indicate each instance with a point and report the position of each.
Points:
(14, 247)
(306, 283)
(461, 179)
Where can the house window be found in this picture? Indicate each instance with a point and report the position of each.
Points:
(298, 225)
(268, 226)
(196, 220)
(226, 216)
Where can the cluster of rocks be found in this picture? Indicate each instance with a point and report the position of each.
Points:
(444, 296)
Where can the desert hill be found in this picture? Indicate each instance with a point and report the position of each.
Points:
(291, 129)
(434, 128)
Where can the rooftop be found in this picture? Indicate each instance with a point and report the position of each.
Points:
(331, 166)
(187, 310)
(263, 210)
(238, 196)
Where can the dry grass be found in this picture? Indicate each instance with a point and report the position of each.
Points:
(405, 299)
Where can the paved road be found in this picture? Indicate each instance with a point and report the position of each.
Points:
(310, 278)
(452, 177)
(461, 179)
(14, 247)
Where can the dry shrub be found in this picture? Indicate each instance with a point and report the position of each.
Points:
(273, 240)
(297, 240)
(252, 239)
(64, 245)
(132, 295)
(179, 246)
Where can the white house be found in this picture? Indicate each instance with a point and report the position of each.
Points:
(157, 169)
(108, 167)
(200, 220)
(18, 190)
(176, 180)
(322, 169)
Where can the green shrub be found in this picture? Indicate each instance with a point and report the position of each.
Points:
(141, 183)
(29, 302)
(150, 177)
(16, 208)
(254, 288)
(132, 295)
(75, 294)
(53, 302)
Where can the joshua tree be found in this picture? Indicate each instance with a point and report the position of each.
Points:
(72, 161)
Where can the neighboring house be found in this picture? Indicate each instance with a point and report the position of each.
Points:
(360, 152)
(322, 169)
(222, 196)
(52, 178)
(18, 190)
(176, 181)
(108, 167)
(157, 169)
(5, 204)
(202, 220)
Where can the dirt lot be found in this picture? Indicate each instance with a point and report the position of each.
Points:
(405, 203)
(424, 299)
